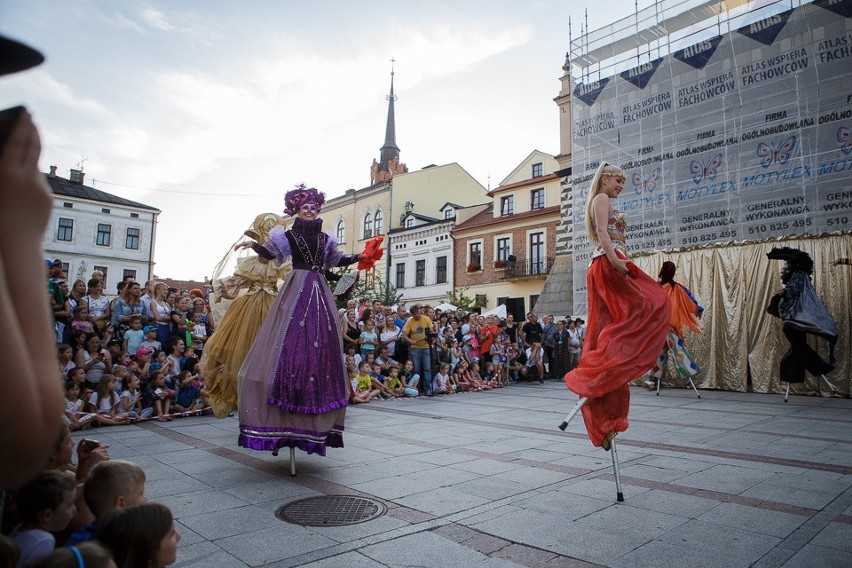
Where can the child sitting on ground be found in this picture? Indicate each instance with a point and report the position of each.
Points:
(410, 379)
(46, 505)
(379, 381)
(394, 384)
(191, 396)
(74, 415)
(441, 383)
(129, 399)
(155, 395)
(104, 402)
(365, 382)
(111, 485)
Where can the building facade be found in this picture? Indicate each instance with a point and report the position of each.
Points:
(504, 252)
(93, 230)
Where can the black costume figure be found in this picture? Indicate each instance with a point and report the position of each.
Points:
(801, 313)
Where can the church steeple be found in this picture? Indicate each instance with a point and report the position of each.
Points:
(389, 165)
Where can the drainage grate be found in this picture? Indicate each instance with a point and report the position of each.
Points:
(331, 511)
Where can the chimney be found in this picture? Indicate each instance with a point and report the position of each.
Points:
(77, 176)
(53, 171)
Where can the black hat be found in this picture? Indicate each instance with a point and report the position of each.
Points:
(15, 56)
(799, 260)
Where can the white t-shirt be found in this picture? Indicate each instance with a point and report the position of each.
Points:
(35, 544)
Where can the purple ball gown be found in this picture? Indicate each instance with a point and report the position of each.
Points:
(293, 389)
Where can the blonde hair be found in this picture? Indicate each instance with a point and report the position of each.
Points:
(604, 169)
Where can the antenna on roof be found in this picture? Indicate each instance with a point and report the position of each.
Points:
(79, 164)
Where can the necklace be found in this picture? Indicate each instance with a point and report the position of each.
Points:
(315, 259)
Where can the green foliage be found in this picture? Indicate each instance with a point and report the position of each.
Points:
(459, 298)
(371, 285)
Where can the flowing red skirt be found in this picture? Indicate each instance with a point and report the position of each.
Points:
(628, 322)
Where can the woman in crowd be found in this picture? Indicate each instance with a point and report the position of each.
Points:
(98, 305)
(350, 330)
(160, 312)
(127, 306)
(293, 385)
(199, 306)
(94, 359)
(628, 316)
(390, 336)
(560, 364)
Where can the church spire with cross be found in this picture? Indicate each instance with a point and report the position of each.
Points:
(389, 165)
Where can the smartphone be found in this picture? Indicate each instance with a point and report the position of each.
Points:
(8, 119)
(91, 444)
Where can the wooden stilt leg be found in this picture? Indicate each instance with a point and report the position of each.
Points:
(292, 462)
(619, 496)
(659, 380)
(787, 393)
(574, 411)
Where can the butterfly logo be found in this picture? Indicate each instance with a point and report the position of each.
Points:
(844, 137)
(770, 154)
(648, 184)
(701, 170)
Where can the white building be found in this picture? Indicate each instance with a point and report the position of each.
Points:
(92, 230)
(422, 256)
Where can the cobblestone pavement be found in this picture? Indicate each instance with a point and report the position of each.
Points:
(487, 479)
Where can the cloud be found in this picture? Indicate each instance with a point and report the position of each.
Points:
(156, 19)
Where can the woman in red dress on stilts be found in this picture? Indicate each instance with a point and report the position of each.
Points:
(628, 316)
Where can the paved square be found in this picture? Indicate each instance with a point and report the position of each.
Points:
(487, 479)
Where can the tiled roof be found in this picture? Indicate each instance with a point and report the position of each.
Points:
(62, 186)
(486, 217)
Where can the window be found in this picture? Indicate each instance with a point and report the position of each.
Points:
(441, 270)
(127, 272)
(420, 273)
(378, 221)
(105, 210)
(504, 248)
(66, 268)
(449, 213)
(368, 226)
(65, 232)
(341, 231)
(409, 222)
(537, 170)
(537, 261)
(533, 301)
(475, 253)
(537, 199)
(400, 275)
(104, 235)
(131, 241)
(507, 205)
(104, 270)
(134, 215)
(68, 205)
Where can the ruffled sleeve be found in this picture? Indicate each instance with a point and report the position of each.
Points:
(333, 257)
(278, 245)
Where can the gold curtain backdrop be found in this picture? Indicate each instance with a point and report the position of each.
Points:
(734, 282)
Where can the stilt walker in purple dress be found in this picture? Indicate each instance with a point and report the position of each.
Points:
(293, 389)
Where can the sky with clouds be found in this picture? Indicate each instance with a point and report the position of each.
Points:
(211, 110)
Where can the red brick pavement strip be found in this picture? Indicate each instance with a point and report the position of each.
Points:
(834, 468)
(843, 519)
(496, 547)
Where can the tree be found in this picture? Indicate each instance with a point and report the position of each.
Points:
(459, 298)
(373, 286)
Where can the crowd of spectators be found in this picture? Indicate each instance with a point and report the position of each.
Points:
(392, 351)
(129, 357)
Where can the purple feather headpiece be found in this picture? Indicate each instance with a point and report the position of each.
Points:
(295, 198)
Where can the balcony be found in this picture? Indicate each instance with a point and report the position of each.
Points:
(521, 268)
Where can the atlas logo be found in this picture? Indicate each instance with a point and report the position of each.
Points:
(702, 170)
(771, 154)
(648, 183)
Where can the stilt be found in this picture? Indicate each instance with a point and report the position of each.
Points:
(292, 462)
(787, 393)
(828, 384)
(692, 384)
(619, 496)
(659, 380)
(583, 400)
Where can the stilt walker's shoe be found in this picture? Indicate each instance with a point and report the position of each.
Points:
(607, 441)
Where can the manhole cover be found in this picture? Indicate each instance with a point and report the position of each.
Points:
(330, 511)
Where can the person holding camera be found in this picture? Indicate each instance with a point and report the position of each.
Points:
(94, 359)
(417, 333)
